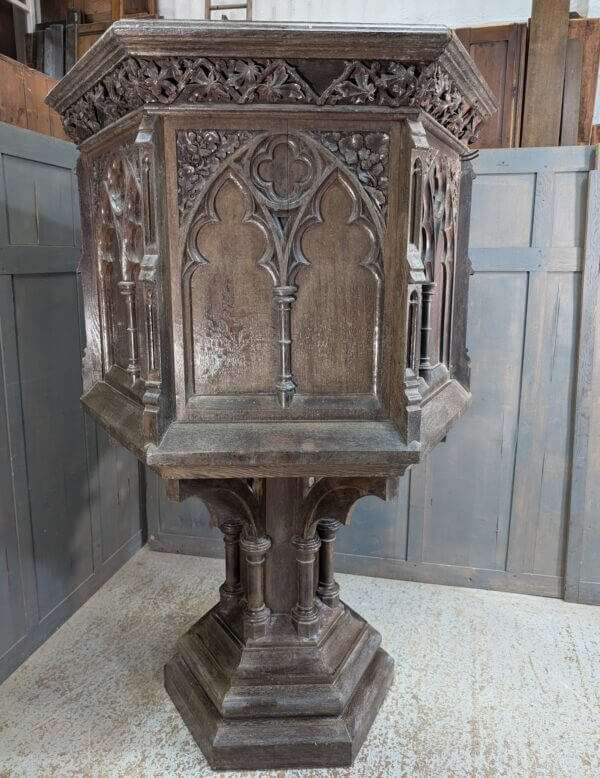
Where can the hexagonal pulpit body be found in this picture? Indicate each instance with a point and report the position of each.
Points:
(275, 223)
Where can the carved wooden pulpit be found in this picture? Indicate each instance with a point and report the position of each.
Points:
(275, 277)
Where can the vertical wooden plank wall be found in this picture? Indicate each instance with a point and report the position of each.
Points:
(499, 53)
(69, 501)
(490, 507)
(587, 33)
(582, 582)
(545, 72)
(22, 94)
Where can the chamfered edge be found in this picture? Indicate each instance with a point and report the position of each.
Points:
(159, 38)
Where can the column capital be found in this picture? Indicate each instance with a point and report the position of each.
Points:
(231, 529)
(327, 528)
(306, 545)
(255, 546)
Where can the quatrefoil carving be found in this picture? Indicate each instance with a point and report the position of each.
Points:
(283, 168)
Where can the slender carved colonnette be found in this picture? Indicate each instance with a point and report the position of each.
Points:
(137, 81)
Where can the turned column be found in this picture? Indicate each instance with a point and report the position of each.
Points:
(256, 613)
(305, 614)
(425, 365)
(128, 290)
(328, 589)
(231, 589)
(286, 387)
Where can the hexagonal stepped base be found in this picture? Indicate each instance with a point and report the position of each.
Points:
(279, 701)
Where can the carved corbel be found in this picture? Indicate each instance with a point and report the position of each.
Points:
(334, 498)
(227, 499)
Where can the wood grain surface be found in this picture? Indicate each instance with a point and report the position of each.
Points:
(545, 72)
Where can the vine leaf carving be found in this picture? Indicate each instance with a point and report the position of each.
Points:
(366, 155)
(137, 81)
(199, 155)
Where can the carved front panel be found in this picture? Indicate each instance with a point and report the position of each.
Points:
(282, 271)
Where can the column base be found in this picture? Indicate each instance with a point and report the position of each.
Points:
(281, 700)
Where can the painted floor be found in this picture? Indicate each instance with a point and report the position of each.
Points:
(486, 684)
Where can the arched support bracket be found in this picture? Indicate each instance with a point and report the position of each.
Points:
(227, 499)
(335, 498)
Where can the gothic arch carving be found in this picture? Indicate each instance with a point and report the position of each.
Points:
(228, 208)
(313, 215)
(206, 213)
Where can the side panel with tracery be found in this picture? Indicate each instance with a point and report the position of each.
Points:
(128, 274)
(282, 243)
(119, 243)
(440, 191)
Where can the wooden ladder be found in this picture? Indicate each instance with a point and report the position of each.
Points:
(209, 7)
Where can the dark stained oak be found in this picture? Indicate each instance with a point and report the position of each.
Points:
(275, 281)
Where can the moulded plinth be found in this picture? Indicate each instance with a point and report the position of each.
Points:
(281, 700)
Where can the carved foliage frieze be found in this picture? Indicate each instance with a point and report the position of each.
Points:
(282, 180)
(137, 81)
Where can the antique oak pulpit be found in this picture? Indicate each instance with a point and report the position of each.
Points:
(275, 277)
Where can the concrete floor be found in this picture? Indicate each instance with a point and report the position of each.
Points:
(486, 684)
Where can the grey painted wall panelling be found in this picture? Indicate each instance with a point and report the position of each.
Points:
(69, 500)
(583, 557)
